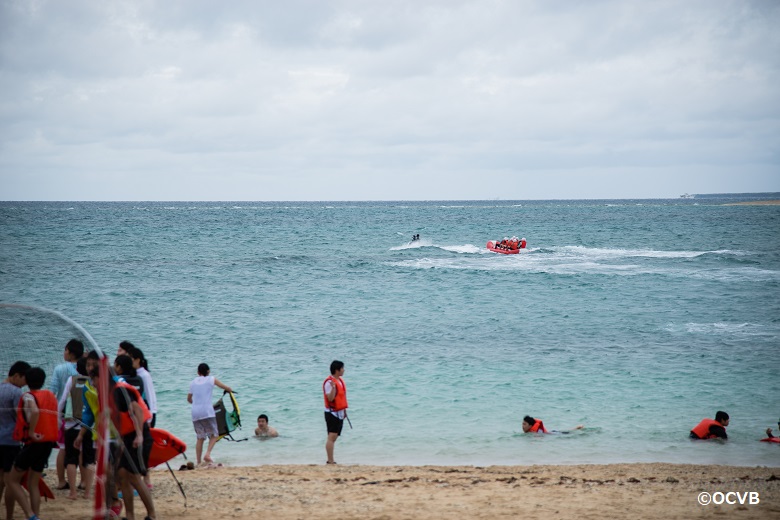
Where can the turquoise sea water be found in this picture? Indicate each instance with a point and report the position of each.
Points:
(636, 318)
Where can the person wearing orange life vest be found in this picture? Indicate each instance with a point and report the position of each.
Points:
(88, 435)
(711, 428)
(37, 426)
(131, 417)
(522, 243)
(532, 425)
(334, 391)
(770, 437)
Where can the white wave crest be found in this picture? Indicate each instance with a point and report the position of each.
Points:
(461, 249)
(413, 245)
(603, 253)
(723, 328)
(464, 249)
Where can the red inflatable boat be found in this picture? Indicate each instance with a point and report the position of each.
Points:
(493, 248)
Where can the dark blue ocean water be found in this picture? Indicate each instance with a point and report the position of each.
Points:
(636, 318)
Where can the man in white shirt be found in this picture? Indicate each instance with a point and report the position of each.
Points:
(203, 416)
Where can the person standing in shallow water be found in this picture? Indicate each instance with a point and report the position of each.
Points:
(335, 393)
(204, 418)
(263, 429)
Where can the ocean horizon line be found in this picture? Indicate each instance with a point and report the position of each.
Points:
(753, 195)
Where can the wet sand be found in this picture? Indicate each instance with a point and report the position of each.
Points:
(345, 492)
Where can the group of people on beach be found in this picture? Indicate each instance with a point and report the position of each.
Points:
(64, 416)
(34, 422)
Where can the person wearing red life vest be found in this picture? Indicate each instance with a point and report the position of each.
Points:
(770, 437)
(711, 428)
(532, 425)
(130, 416)
(334, 391)
(37, 426)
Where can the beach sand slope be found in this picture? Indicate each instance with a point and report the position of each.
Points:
(346, 492)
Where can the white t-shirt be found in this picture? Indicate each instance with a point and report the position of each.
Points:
(149, 393)
(202, 388)
(69, 421)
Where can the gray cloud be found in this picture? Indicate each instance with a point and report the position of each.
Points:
(396, 100)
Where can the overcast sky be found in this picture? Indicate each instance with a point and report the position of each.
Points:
(387, 100)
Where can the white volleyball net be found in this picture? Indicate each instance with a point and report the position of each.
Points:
(38, 336)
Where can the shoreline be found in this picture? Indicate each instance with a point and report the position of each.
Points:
(604, 491)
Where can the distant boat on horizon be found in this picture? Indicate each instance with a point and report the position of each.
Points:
(687, 196)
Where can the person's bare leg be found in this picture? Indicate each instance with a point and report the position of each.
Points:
(212, 441)
(71, 472)
(198, 450)
(87, 479)
(14, 485)
(329, 445)
(144, 494)
(127, 493)
(10, 500)
(61, 469)
(35, 493)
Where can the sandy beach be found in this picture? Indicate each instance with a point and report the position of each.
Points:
(615, 491)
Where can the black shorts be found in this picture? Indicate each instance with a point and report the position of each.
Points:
(333, 423)
(87, 450)
(8, 456)
(135, 460)
(71, 453)
(34, 456)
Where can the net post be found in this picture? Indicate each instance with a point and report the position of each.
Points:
(101, 502)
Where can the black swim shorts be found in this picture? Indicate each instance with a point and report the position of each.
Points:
(333, 423)
(71, 453)
(87, 450)
(8, 456)
(34, 456)
(135, 460)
